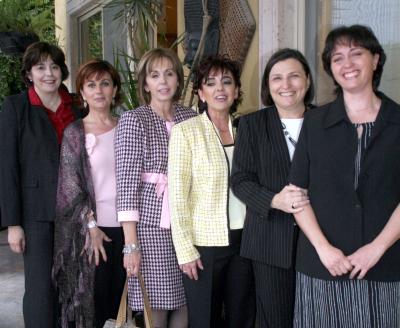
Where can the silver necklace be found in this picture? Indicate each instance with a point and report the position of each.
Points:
(287, 135)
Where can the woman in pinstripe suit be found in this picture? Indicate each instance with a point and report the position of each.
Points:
(264, 147)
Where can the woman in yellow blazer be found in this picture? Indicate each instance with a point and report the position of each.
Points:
(206, 218)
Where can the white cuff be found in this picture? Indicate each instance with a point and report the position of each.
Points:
(125, 216)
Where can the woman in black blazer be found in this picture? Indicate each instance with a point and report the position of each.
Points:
(348, 157)
(265, 144)
(31, 127)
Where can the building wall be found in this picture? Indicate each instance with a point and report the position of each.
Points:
(61, 27)
(299, 24)
(251, 73)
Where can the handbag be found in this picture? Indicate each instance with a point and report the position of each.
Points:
(124, 317)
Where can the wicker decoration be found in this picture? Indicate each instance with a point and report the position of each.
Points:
(193, 11)
(236, 28)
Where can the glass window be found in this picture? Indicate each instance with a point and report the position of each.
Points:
(91, 37)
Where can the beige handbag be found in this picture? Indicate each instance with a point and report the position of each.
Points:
(124, 317)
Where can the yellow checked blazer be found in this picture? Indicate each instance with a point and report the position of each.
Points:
(198, 175)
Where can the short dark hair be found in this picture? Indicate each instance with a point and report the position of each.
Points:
(278, 56)
(358, 35)
(217, 63)
(40, 51)
(96, 68)
(146, 65)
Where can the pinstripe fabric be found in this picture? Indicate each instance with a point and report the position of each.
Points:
(260, 169)
(198, 188)
(346, 303)
(275, 292)
(261, 165)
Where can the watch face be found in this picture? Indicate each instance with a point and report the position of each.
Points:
(92, 224)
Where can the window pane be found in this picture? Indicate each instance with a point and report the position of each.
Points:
(91, 37)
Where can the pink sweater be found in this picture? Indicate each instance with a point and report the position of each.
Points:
(102, 161)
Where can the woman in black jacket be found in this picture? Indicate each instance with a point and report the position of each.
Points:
(348, 157)
(31, 128)
(264, 147)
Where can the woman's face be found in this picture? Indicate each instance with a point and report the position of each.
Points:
(288, 84)
(99, 91)
(219, 91)
(353, 67)
(162, 81)
(45, 76)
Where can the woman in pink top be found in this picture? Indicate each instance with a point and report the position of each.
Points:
(88, 265)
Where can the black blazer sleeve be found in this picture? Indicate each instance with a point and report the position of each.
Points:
(29, 162)
(9, 165)
(260, 169)
(244, 179)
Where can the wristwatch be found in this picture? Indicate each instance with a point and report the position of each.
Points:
(91, 224)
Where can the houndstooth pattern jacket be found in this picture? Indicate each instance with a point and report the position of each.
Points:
(141, 146)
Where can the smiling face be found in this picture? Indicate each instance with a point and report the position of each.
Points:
(219, 91)
(98, 91)
(45, 76)
(161, 82)
(288, 84)
(353, 67)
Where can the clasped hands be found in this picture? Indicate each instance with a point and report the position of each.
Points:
(357, 264)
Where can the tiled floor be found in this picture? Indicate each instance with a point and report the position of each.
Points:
(11, 286)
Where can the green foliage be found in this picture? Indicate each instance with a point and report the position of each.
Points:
(25, 16)
(126, 66)
(10, 79)
(95, 36)
(28, 16)
(138, 17)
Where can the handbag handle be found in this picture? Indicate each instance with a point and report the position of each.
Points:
(148, 319)
(121, 317)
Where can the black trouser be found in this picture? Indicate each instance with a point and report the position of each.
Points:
(224, 294)
(40, 298)
(275, 295)
(110, 278)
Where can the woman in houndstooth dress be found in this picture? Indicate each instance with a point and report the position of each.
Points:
(142, 198)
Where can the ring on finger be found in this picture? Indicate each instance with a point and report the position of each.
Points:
(293, 206)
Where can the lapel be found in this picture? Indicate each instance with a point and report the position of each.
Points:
(211, 133)
(387, 114)
(213, 141)
(277, 140)
(45, 118)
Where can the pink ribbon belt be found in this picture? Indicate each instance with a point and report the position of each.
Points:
(161, 182)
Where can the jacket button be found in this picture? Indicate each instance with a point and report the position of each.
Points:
(357, 206)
